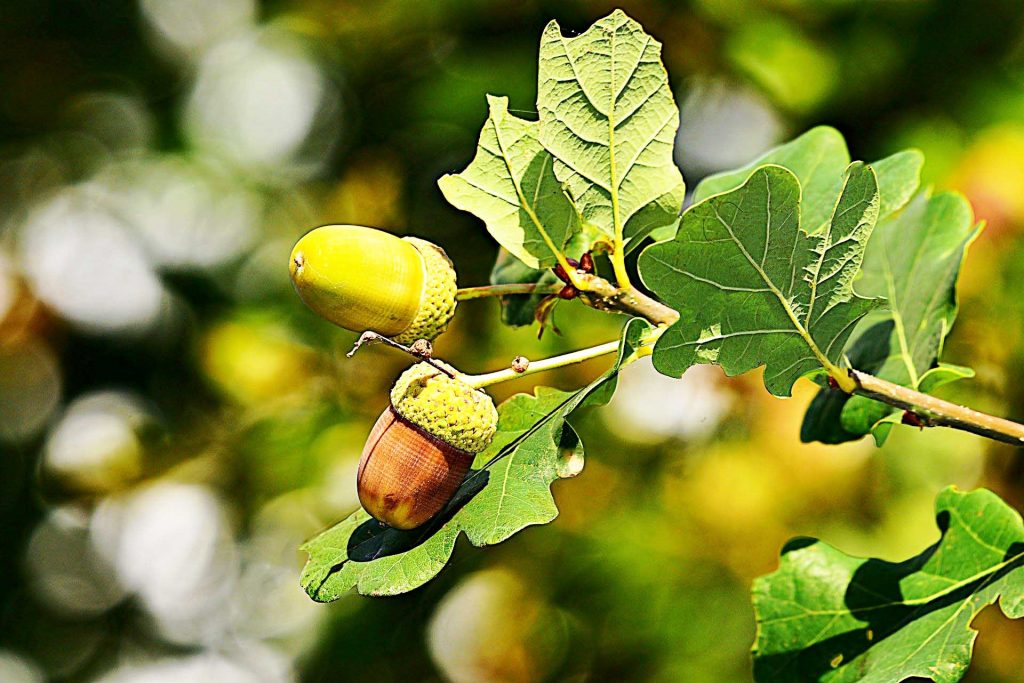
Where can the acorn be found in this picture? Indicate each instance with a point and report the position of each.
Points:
(420, 449)
(366, 279)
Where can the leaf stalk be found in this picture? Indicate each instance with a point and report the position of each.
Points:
(618, 259)
(506, 374)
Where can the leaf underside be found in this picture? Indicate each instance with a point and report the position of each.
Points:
(609, 119)
(507, 490)
(753, 288)
(511, 186)
(518, 309)
(826, 616)
(597, 164)
(913, 260)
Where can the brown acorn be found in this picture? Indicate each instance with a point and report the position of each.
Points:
(422, 445)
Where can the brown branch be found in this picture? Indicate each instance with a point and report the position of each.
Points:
(604, 296)
(932, 411)
(937, 412)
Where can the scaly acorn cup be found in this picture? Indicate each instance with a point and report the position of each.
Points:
(420, 449)
(366, 279)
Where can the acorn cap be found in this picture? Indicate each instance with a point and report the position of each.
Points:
(363, 279)
(445, 407)
(437, 303)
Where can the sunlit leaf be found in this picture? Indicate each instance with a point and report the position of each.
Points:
(608, 117)
(753, 288)
(819, 158)
(899, 176)
(511, 186)
(830, 617)
(913, 260)
(508, 489)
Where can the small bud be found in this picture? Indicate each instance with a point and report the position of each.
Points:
(913, 419)
(587, 263)
(520, 364)
(422, 348)
(560, 271)
(568, 292)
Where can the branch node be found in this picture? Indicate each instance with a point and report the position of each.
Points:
(421, 352)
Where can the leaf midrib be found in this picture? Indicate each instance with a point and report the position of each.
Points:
(519, 191)
(804, 334)
(614, 92)
(914, 602)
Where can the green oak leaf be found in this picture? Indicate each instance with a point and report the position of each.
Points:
(826, 616)
(511, 186)
(608, 117)
(508, 489)
(899, 176)
(913, 260)
(753, 288)
(943, 374)
(818, 158)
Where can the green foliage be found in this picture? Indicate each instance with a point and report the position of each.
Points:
(518, 310)
(780, 264)
(608, 117)
(827, 616)
(818, 159)
(913, 261)
(507, 490)
(902, 341)
(753, 288)
(511, 186)
(599, 160)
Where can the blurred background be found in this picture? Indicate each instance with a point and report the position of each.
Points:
(174, 423)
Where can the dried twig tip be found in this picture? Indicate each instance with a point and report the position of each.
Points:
(364, 338)
(417, 352)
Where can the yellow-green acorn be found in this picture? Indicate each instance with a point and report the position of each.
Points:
(366, 279)
(420, 449)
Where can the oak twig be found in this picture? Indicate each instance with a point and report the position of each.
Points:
(603, 295)
(937, 412)
(423, 352)
(505, 374)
